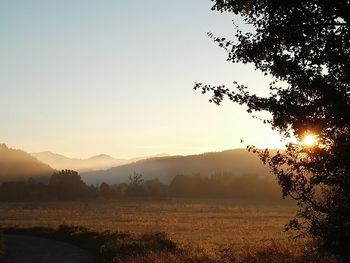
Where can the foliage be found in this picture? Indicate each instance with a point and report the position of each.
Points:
(63, 186)
(135, 189)
(136, 179)
(225, 185)
(124, 247)
(105, 190)
(105, 246)
(68, 186)
(305, 47)
(2, 248)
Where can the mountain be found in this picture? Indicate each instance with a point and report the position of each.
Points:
(18, 165)
(237, 162)
(98, 162)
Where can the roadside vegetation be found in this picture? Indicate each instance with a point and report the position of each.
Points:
(2, 247)
(120, 247)
(171, 231)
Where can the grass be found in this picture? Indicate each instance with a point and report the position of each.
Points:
(118, 247)
(205, 224)
(105, 246)
(171, 231)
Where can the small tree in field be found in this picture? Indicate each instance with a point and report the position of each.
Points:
(135, 189)
(306, 45)
(136, 179)
(105, 190)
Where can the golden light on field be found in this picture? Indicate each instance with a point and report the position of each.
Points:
(309, 140)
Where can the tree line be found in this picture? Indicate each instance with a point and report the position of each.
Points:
(67, 185)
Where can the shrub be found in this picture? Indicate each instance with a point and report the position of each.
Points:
(118, 247)
(105, 246)
(2, 248)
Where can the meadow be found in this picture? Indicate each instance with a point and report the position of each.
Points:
(198, 223)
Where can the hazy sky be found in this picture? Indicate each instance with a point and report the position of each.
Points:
(82, 77)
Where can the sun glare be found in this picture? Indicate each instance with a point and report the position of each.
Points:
(309, 140)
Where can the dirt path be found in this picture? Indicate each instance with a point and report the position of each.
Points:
(27, 249)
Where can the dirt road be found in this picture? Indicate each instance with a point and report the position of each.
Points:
(27, 249)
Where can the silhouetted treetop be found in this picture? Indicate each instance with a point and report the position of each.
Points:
(306, 44)
(305, 47)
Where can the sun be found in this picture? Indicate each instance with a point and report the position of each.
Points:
(309, 140)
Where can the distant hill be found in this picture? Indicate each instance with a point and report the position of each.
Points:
(98, 162)
(18, 165)
(238, 162)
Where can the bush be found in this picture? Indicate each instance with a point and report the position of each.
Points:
(118, 247)
(2, 248)
(105, 246)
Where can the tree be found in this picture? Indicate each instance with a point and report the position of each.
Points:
(105, 190)
(305, 47)
(67, 185)
(135, 189)
(135, 179)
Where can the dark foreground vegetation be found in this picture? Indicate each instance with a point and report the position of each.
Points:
(2, 248)
(119, 247)
(304, 48)
(67, 185)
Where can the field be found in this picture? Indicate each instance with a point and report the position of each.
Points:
(197, 223)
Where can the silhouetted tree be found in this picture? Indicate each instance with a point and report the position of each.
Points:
(121, 188)
(305, 47)
(105, 190)
(135, 179)
(67, 185)
(154, 189)
(63, 186)
(225, 185)
(135, 189)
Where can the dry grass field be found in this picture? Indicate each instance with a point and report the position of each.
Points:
(198, 223)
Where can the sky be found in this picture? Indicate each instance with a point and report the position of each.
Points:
(86, 77)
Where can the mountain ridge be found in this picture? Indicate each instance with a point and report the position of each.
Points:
(18, 165)
(236, 161)
(93, 163)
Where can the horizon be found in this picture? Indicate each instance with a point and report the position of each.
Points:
(160, 155)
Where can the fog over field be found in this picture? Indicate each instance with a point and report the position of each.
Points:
(98, 162)
(236, 162)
